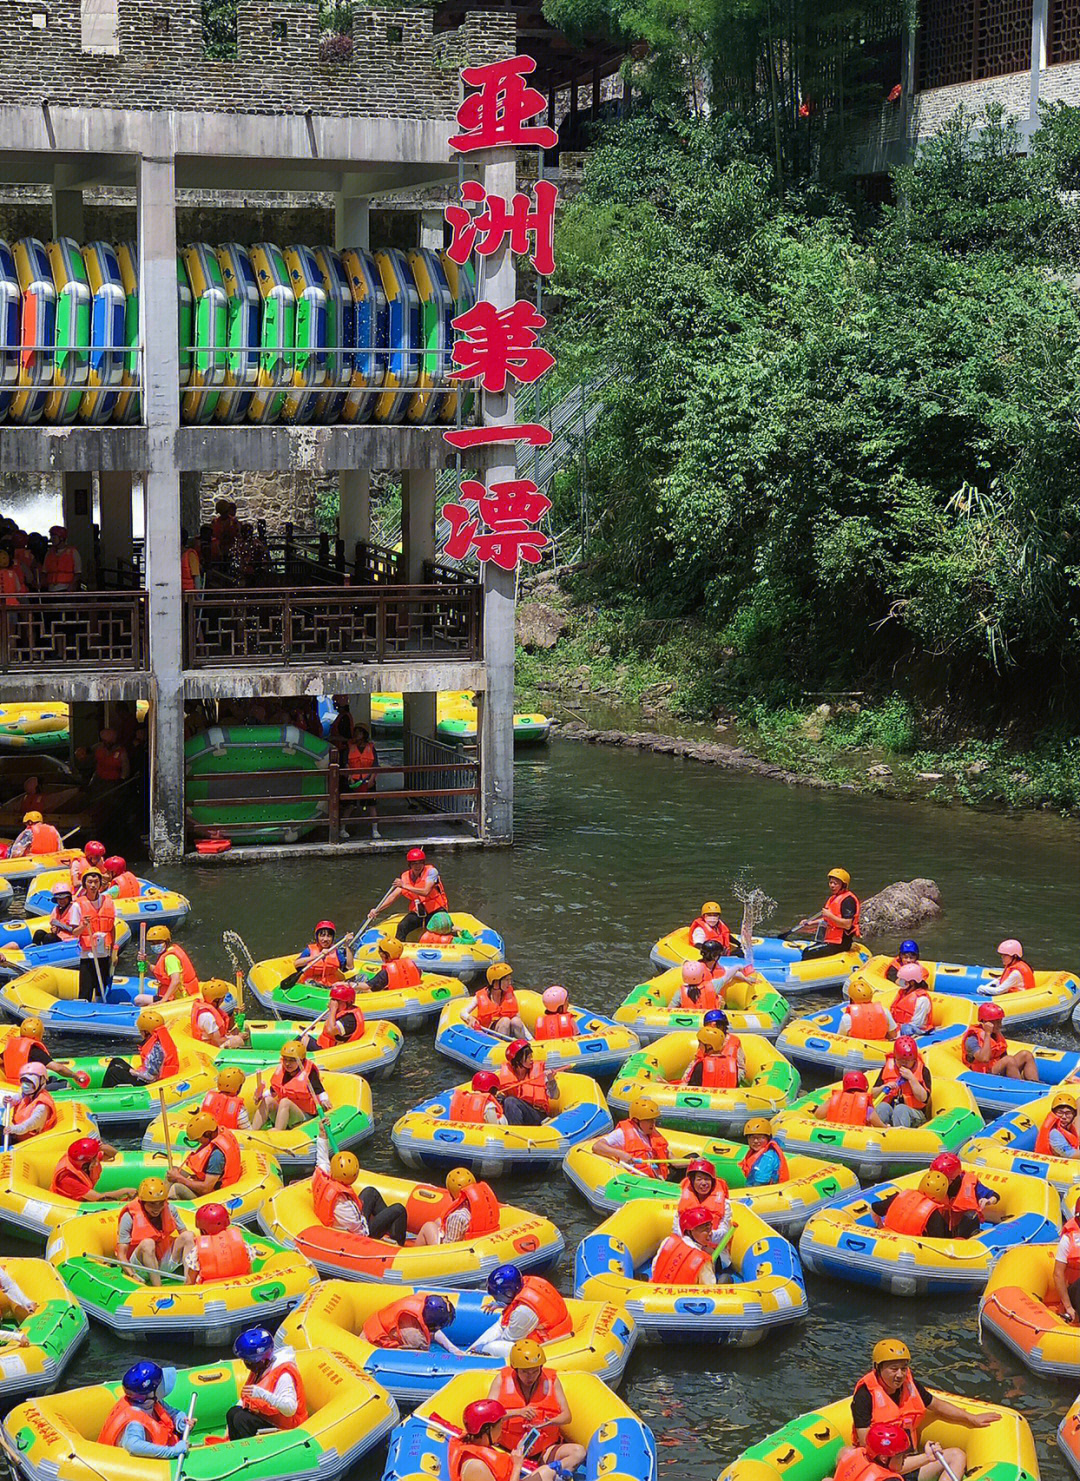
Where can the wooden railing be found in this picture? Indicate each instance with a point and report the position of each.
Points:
(331, 625)
(74, 631)
(376, 565)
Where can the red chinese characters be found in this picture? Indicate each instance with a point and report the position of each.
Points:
(498, 115)
(501, 344)
(507, 511)
(486, 231)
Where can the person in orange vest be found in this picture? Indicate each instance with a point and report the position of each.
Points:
(12, 582)
(905, 957)
(556, 1021)
(226, 1104)
(219, 1252)
(1016, 975)
(527, 1089)
(851, 1104)
(985, 1049)
(421, 888)
(415, 1323)
(836, 925)
(141, 1422)
(97, 942)
(26, 1045)
(33, 1110)
(907, 1100)
(478, 1454)
(62, 566)
(922, 1210)
(495, 1006)
(338, 1205)
(862, 1018)
(710, 927)
(65, 920)
(886, 1454)
(159, 1058)
(890, 1393)
(191, 576)
(764, 1162)
(686, 1258)
(362, 760)
(77, 1173)
(695, 992)
(1064, 1291)
(322, 962)
(913, 1007)
(213, 1015)
(533, 1399)
(397, 973)
(215, 1163)
(23, 558)
(273, 1397)
(122, 885)
(296, 1091)
(172, 969)
(719, 1061)
(93, 853)
(37, 837)
(971, 1203)
(701, 1188)
(112, 763)
(531, 1307)
(479, 1105)
(637, 1142)
(344, 1023)
(474, 1211)
(150, 1234)
(1058, 1135)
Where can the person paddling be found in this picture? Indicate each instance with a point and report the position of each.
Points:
(421, 888)
(836, 925)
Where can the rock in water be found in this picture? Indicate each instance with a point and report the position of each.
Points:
(900, 907)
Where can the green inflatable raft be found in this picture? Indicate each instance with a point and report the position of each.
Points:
(283, 785)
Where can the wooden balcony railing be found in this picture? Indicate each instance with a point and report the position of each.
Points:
(376, 565)
(331, 625)
(76, 631)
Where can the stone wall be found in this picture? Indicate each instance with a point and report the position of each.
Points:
(279, 498)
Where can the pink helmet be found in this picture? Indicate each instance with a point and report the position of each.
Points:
(913, 972)
(693, 972)
(554, 998)
(35, 1072)
(1010, 947)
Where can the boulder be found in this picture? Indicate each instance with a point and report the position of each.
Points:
(540, 625)
(900, 907)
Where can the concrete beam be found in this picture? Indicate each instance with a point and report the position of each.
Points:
(418, 547)
(72, 449)
(256, 683)
(74, 688)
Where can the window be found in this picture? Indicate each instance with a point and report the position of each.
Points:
(394, 35)
(964, 40)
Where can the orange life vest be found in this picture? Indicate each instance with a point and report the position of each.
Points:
(225, 1109)
(890, 1075)
(555, 1026)
(909, 1212)
(297, 1089)
(720, 1071)
(361, 760)
(190, 569)
(532, 1090)
(907, 1409)
(157, 1423)
(715, 1205)
(483, 1209)
(224, 1142)
(1071, 1231)
(679, 1262)
(126, 885)
(222, 1256)
(328, 971)
(44, 839)
(907, 1001)
(59, 566)
(751, 1158)
(485, 1012)
(849, 1107)
(63, 922)
(401, 973)
(190, 983)
(109, 763)
(71, 1180)
(543, 1300)
(1051, 1123)
(470, 1105)
(143, 1227)
(327, 1193)
(171, 1064)
(644, 1149)
(98, 919)
(499, 1462)
(17, 1053)
(436, 938)
(327, 1040)
(12, 586)
(966, 1201)
(719, 932)
(383, 1328)
(221, 1020)
(998, 1047)
(835, 934)
(868, 1020)
(278, 1369)
(543, 1399)
(707, 998)
(1027, 985)
(434, 901)
(22, 1110)
(856, 1465)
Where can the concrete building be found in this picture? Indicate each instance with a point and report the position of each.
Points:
(120, 93)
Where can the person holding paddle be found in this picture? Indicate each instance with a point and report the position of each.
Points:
(296, 1091)
(637, 1142)
(323, 961)
(422, 889)
(836, 925)
(97, 941)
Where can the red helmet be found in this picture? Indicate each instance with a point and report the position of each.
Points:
(415, 856)
(485, 1082)
(693, 1218)
(341, 992)
(906, 1045)
(84, 1150)
(700, 1165)
(887, 1439)
(856, 1080)
(325, 925)
(479, 1414)
(94, 850)
(948, 1163)
(212, 1218)
(517, 1049)
(991, 1013)
(115, 864)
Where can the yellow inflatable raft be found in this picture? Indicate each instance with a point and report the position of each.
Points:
(410, 1007)
(73, 1119)
(1051, 1000)
(785, 1206)
(1009, 1144)
(657, 1071)
(27, 1202)
(1013, 1308)
(154, 906)
(815, 1042)
(350, 1122)
(373, 1054)
(52, 994)
(597, 1048)
(529, 1241)
(755, 1007)
(475, 947)
(778, 959)
(880, 1151)
(348, 1414)
(613, 1263)
(33, 1359)
(84, 1252)
(333, 1316)
(18, 871)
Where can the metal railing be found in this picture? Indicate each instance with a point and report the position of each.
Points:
(449, 781)
(76, 631)
(331, 625)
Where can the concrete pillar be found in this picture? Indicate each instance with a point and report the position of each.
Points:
(158, 331)
(431, 230)
(68, 217)
(79, 520)
(354, 507)
(352, 216)
(496, 726)
(1039, 23)
(115, 495)
(418, 546)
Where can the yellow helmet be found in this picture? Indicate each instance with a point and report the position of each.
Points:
(344, 1167)
(498, 970)
(644, 1108)
(152, 1190)
(391, 947)
(213, 990)
(159, 934)
(710, 908)
(890, 1350)
(860, 991)
(32, 817)
(842, 875)
(526, 1354)
(934, 1185)
(293, 1049)
(457, 1180)
(757, 1126)
(32, 1028)
(711, 1036)
(231, 1081)
(1064, 1100)
(149, 1021)
(200, 1124)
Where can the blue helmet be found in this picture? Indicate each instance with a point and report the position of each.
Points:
(504, 1283)
(909, 946)
(254, 1346)
(142, 1379)
(438, 1313)
(715, 1016)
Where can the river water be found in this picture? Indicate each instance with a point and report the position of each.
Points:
(614, 849)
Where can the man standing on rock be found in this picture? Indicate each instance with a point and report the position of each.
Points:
(837, 924)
